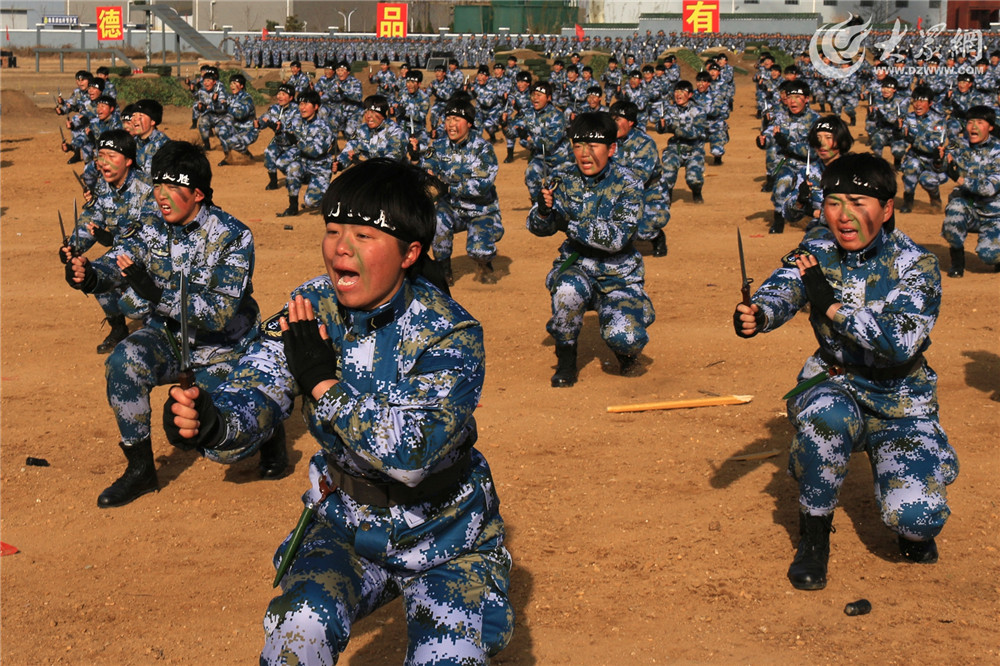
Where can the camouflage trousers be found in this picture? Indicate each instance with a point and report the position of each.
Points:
(345, 118)
(109, 302)
(236, 137)
(718, 137)
(879, 138)
(910, 456)
(690, 156)
(623, 308)
(484, 231)
(80, 140)
(314, 174)
(211, 121)
(655, 212)
(961, 218)
(281, 158)
(457, 611)
(140, 362)
(91, 175)
(786, 180)
(918, 169)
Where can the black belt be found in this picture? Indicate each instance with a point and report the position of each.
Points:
(874, 374)
(594, 253)
(391, 493)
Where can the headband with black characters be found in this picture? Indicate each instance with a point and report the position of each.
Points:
(856, 185)
(382, 222)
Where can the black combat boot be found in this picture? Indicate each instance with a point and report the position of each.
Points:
(224, 162)
(660, 244)
(485, 272)
(768, 185)
(907, 206)
(718, 160)
(119, 331)
(75, 157)
(206, 144)
(696, 194)
(274, 455)
(293, 207)
(854, 119)
(921, 552)
(628, 364)
(510, 155)
(493, 137)
(139, 477)
(272, 183)
(957, 255)
(808, 569)
(565, 366)
(897, 162)
(936, 200)
(778, 225)
(445, 265)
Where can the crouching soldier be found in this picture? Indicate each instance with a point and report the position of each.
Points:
(468, 165)
(187, 269)
(598, 206)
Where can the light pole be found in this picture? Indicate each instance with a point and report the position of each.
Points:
(347, 19)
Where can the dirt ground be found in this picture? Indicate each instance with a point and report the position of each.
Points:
(637, 538)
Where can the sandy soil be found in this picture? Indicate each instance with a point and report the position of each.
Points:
(637, 538)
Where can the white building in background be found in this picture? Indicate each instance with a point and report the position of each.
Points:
(628, 11)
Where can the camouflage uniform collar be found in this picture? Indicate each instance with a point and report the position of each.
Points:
(363, 322)
(859, 257)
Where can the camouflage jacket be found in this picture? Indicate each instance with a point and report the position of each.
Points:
(214, 102)
(387, 140)
(144, 151)
(216, 251)
(241, 109)
(299, 82)
(114, 209)
(925, 134)
(890, 294)
(978, 165)
(637, 152)
(410, 374)
(469, 169)
(316, 140)
(283, 120)
(546, 134)
(600, 217)
(689, 123)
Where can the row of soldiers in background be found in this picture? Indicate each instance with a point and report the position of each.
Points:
(928, 148)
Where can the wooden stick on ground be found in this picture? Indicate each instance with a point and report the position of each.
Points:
(682, 404)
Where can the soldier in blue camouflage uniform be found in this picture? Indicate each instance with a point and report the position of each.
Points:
(105, 119)
(313, 163)
(212, 104)
(385, 81)
(925, 132)
(283, 150)
(78, 124)
(118, 199)
(238, 131)
(846, 95)
(633, 91)
(636, 151)
(716, 111)
(791, 138)
(873, 297)
(543, 132)
(829, 138)
(411, 111)
(884, 123)
(189, 237)
(611, 78)
(79, 98)
(557, 79)
(146, 117)
(962, 98)
(298, 79)
(489, 102)
(346, 97)
(327, 86)
(598, 205)
(468, 167)
(514, 112)
(442, 88)
(404, 503)
(689, 125)
(974, 204)
(195, 87)
(376, 137)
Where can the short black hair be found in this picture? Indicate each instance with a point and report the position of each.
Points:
(835, 126)
(181, 156)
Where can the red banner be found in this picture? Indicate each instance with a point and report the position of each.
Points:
(390, 19)
(701, 16)
(110, 26)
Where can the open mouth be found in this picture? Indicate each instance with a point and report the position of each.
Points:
(345, 278)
